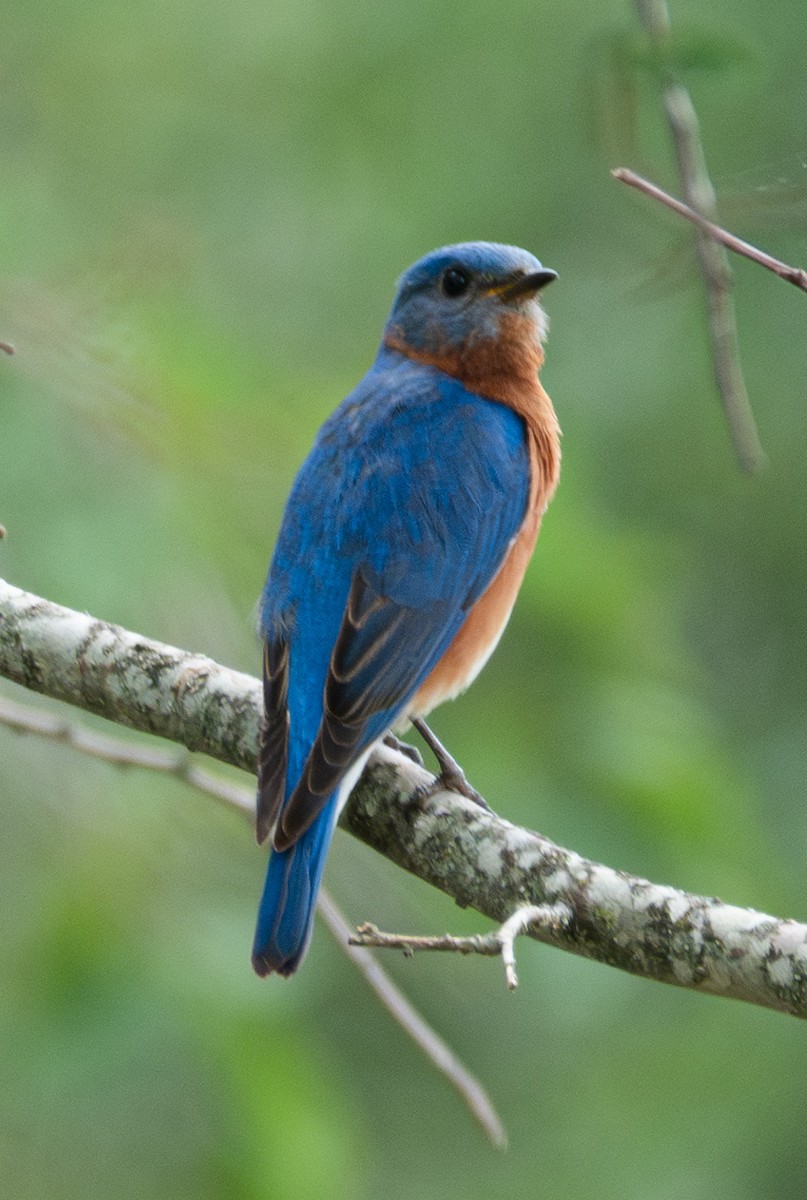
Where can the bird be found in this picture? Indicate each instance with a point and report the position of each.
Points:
(402, 547)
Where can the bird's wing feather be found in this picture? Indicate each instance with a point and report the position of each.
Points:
(382, 652)
(273, 751)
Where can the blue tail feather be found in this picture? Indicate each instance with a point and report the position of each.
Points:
(286, 912)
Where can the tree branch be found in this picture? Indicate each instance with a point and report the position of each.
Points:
(129, 679)
(482, 861)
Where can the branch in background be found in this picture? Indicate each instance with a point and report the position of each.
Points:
(474, 856)
(24, 719)
(796, 275)
(6, 347)
(179, 763)
(700, 195)
(435, 1049)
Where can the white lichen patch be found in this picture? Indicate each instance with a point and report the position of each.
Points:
(522, 840)
(425, 828)
(789, 939)
(558, 883)
(609, 892)
(678, 906)
(528, 850)
(729, 922)
(489, 858)
(781, 972)
(529, 858)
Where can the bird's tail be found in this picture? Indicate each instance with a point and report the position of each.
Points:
(286, 912)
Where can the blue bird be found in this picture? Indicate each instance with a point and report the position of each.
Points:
(404, 542)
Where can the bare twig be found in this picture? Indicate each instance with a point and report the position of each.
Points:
(432, 1045)
(533, 917)
(487, 944)
(700, 195)
(658, 932)
(179, 763)
(24, 719)
(795, 275)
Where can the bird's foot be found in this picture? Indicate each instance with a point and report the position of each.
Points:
(451, 777)
(404, 748)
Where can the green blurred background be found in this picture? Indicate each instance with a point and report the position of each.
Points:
(203, 209)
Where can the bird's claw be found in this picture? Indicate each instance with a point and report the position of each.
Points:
(452, 781)
(404, 748)
(451, 777)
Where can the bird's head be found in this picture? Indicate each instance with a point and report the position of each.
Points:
(471, 309)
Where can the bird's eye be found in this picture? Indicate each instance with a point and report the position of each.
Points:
(455, 281)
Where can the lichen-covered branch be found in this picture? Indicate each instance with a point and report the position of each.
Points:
(127, 678)
(482, 861)
(648, 929)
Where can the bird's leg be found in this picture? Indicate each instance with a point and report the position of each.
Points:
(404, 748)
(451, 777)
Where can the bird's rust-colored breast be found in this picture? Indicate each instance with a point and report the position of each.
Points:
(505, 370)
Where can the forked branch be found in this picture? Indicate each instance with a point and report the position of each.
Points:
(500, 942)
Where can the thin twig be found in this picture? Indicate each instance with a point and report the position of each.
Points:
(795, 275)
(367, 934)
(533, 917)
(715, 271)
(27, 720)
(125, 754)
(430, 1043)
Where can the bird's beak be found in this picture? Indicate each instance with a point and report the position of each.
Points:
(527, 285)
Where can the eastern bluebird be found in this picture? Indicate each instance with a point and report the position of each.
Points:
(403, 545)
